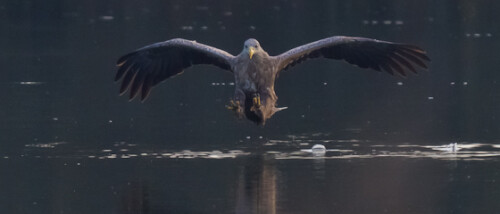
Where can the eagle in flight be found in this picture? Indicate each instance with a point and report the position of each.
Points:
(254, 70)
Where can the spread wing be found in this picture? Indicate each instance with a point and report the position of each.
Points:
(362, 52)
(144, 68)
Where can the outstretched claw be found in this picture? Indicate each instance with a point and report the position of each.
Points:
(256, 103)
(233, 105)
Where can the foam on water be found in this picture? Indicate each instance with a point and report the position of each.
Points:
(295, 147)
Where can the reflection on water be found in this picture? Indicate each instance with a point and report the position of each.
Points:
(275, 176)
(270, 176)
(134, 199)
(257, 186)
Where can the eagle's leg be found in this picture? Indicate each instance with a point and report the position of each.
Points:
(256, 102)
(237, 103)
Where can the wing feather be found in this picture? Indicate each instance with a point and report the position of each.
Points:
(385, 66)
(362, 52)
(412, 58)
(395, 66)
(144, 68)
(403, 61)
(146, 87)
(123, 69)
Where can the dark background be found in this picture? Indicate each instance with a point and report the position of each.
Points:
(57, 63)
(70, 48)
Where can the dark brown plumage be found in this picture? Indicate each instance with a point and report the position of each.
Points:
(254, 70)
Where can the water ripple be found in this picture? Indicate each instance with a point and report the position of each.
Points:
(298, 148)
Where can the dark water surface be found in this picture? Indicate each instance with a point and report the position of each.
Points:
(70, 144)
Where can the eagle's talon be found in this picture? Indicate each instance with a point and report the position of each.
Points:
(256, 103)
(233, 105)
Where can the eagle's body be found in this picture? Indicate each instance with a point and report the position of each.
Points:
(254, 70)
(255, 81)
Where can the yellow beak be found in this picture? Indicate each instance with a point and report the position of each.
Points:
(251, 51)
